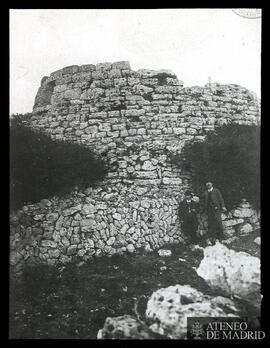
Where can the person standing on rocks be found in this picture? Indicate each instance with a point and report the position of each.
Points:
(214, 206)
(188, 210)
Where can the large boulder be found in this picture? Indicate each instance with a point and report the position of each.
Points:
(125, 327)
(233, 273)
(169, 308)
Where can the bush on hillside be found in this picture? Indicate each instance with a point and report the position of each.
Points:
(41, 168)
(230, 158)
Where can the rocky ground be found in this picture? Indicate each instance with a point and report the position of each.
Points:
(74, 303)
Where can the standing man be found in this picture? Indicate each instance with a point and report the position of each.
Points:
(188, 216)
(214, 206)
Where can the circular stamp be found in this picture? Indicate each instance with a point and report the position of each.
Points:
(248, 12)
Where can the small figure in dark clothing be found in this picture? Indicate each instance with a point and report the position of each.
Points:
(214, 206)
(188, 210)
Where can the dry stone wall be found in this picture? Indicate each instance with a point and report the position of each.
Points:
(137, 120)
(96, 222)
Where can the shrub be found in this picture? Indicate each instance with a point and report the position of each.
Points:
(41, 168)
(230, 158)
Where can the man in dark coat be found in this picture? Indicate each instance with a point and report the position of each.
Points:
(188, 216)
(214, 206)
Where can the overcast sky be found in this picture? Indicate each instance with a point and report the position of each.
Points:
(194, 43)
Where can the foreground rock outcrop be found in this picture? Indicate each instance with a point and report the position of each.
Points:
(232, 273)
(169, 308)
(166, 314)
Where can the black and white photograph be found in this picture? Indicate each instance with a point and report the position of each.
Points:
(135, 174)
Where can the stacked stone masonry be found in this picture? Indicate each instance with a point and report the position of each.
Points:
(137, 120)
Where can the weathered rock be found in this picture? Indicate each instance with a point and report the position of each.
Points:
(65, 241)
(87, 223)
(155, 73)
(117, 216)
(170, 307)
(120, 240)
(45, 203)
(232, 222)
(75, 239)
(145, 204)
(89, 244)
(81, 252)
(245, 229)
(244, 203)
(164, 253)
(130, 248)
(38, 217)
(14, 257)
(147, 165)
(125, 327)
(52, 217)
(59, 223)
(172, 181)
(111, 241)
(87, 209)
(131, 230)
(124, 229)
(49, 243)
(37, 231)
(243, 212)
(77, 217)
(232, 273)
(125, 65)
(54, 253)
(229, 232)
(148, 248)
(101, 206)
(72, 210)
(72, 250)
(257, 240)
